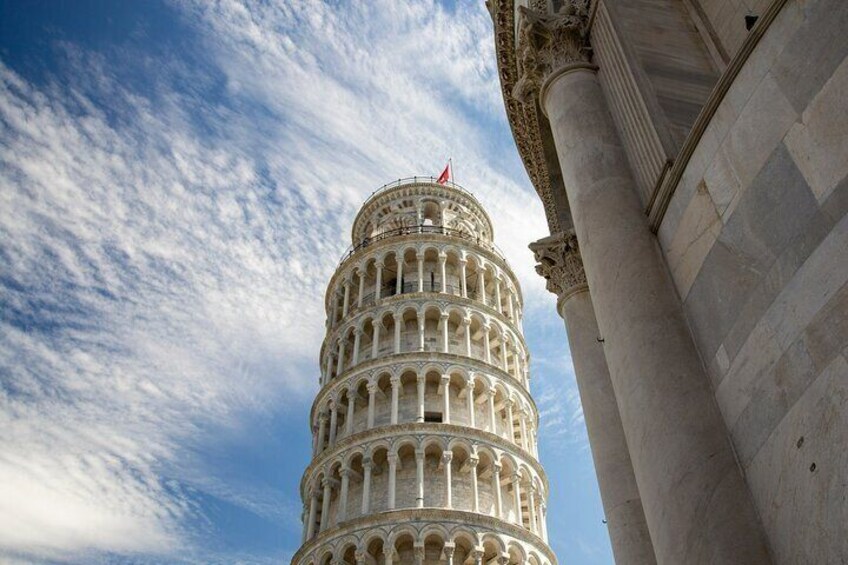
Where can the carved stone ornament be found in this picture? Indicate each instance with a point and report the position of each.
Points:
(548, 42)
(560, 264)
(523, 118)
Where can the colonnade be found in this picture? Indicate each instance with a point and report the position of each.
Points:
(418, 543)
(474, 401)
(460, 476)
(428, 327)
(428, 268)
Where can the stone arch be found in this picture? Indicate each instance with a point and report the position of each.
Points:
(516, 552)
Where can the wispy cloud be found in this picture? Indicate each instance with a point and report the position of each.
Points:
(165, 242)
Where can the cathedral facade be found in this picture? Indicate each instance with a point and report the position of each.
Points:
(692, 160)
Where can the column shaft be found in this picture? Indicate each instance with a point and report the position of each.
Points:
(366, 487)
(628, 530)
(681, 455)
(395, 382)
(419, 478)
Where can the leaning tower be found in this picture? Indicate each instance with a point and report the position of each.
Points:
(424, 430)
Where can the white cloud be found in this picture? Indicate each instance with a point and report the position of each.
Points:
(158, 275)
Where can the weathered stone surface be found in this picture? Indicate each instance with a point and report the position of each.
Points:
(800, 474)
(696, 504)
(818, 142)
(628, 530)
(814, 52)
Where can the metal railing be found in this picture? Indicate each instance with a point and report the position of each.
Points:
(422, 229)
(415, 180)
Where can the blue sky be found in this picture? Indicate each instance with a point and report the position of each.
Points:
(177, 183)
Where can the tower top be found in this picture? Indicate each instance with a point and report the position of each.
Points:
(421, 201)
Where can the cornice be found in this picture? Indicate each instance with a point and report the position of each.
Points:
(523, 117)
(392, 519)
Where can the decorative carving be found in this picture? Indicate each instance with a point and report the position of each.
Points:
(523, 118)
(560, 264)
(548, 42)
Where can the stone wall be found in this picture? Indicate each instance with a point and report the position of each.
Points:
(756, 240)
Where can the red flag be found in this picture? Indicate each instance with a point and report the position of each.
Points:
(445, 176)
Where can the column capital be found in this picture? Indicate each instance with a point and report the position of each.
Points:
(392, 458)
(447, 456)
(394, 380)
(420, 378)
(560, 264)
(473, 462)
(548, 43)
(367, 463)
(372, 388)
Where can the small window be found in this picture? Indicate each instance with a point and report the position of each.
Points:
(435, 417)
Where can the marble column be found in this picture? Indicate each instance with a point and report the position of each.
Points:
(395, 382)
(346, 300)
(443, 320)
(466, 328)
(446, 399)
(351, 410)
(419, 477)
(463, 281)
(516, 492)
(469, 398)
(345, 473)
(493, 424)
(449, 550)
(325, 504)
(421, 382)
(393, 461)
(361, 294)
(378, 283)
(420, 257)
(313, 512)
(443, 271)
(357, 342)
(696, 503)
(481, 285)
(510, 423)
(475, 492)
(367, 465)
(398, 325)
(496, 489)
(447, 457)
(375, 339)
(389, 554)
(561, 266)
(322, 432)
(421, 327)
(334, 421)
(399, 281)
(372, 398)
